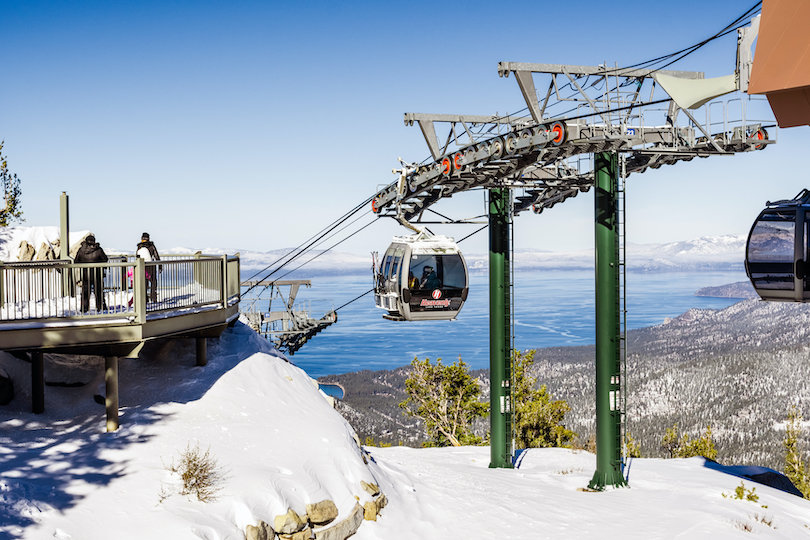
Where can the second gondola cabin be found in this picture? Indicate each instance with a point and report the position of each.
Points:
(777, 250)
(421, 277)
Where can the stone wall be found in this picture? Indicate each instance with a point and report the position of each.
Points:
(319, 520)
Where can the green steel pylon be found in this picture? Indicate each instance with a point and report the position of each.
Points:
(500, 350)
(608, 335)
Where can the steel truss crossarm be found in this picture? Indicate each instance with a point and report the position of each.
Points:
(537, 154)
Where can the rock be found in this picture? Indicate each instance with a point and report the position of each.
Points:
(381, 501)
(371, 489)
(322, 513)
(303, 534)
(26, 251)
(288, 523)
(343, 529)
(262, 531)
(370, 511)
(45, 252)
(74, 249)
(6, 388)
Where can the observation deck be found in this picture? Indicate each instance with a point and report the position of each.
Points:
(197, 296)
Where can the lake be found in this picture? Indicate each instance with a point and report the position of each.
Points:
(551, 309)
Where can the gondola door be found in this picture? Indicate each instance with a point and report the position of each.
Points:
(776, 254)
(800, 268)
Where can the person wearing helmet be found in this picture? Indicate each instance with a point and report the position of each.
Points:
(429, 279)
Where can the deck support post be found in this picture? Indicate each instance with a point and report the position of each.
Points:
(608, 331)
(500, 335)
(202, 351)
(139, 291)
(37, 382)
(68, 283)
(111, 401)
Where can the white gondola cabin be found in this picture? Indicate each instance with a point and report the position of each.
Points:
(421, 278)
(777, 250)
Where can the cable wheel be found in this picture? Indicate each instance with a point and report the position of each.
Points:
(760, 134)
(469, 152)
(412, 180)
(542, 128)
(496, 148)
(458, 157)
(447, 166)
(558, 132)
(511, 144)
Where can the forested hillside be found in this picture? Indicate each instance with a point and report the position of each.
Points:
(738, 369)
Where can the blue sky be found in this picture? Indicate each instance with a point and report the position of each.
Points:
(252, 125)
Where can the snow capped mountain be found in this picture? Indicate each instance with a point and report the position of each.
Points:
(311, 263)
(721, 253)
(706, 253)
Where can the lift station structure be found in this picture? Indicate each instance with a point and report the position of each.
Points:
(590, 126)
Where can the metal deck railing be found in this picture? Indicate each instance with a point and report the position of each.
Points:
(52, 290)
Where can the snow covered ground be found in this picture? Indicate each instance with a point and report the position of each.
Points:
(283, 446)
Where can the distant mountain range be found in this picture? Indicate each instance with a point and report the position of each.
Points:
(720, 253)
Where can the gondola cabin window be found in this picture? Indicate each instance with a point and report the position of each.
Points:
(397, 263)
(389, 256)
(438, 271)
(771, 249)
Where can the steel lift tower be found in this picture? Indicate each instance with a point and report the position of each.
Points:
(589, 126)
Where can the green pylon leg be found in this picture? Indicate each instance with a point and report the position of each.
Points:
(500, 347)
(608, 368)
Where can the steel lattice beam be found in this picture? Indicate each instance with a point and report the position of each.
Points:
(531, 153)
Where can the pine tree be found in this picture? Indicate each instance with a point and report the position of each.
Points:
(670, 441)
(702, 446)
(795, 468)
(11, 194)
(683, 447)
(538, 419)
(632, 447)
(446, 399)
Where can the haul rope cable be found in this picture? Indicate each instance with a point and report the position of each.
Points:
(322, 252)
(330, 247)
(324, 232)
(298, 251)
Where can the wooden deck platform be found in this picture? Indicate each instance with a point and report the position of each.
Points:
(41, 311)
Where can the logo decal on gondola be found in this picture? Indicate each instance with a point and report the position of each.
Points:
(436, 302)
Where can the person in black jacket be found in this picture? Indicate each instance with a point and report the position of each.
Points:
(91, 252)
(148, 252)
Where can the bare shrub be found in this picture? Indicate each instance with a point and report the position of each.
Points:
(744, 526)
(764, 519)
(200, 472)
